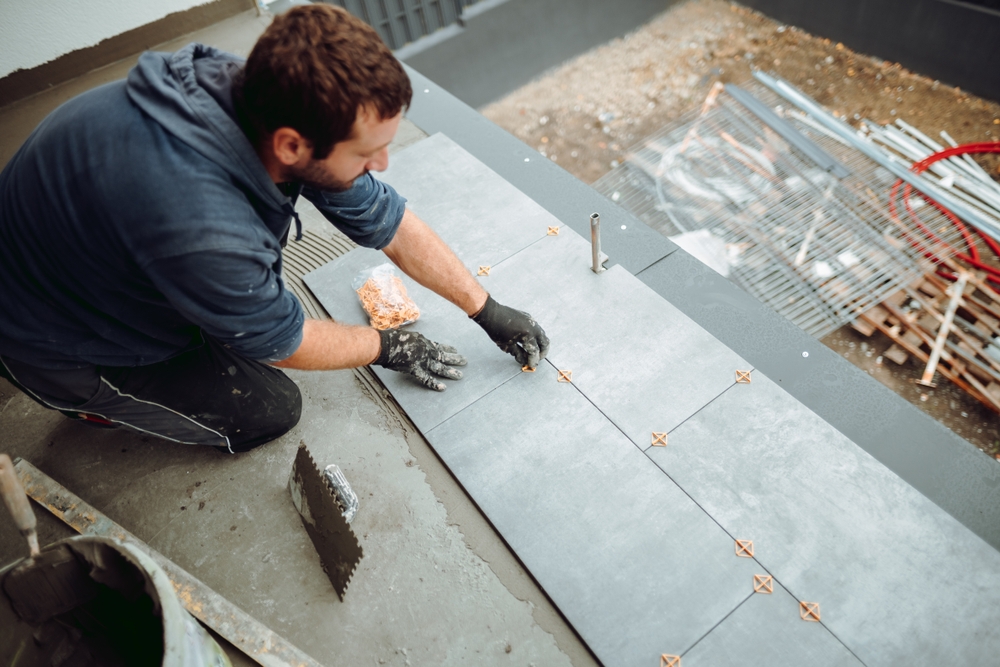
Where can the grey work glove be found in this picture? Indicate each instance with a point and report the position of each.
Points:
(412, 353)
(514, 331)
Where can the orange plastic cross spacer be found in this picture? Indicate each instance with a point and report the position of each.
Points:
(809, 611)
(553, 231)
(484, 270)
(744, 548)
(763, 583)
(565, 376)
(667, 660)
(743, 377)
(527, 369)
(659, 439)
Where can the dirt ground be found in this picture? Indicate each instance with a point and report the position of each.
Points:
(587, 112)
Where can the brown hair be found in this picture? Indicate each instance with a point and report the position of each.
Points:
(311, 70)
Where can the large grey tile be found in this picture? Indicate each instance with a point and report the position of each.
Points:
(439, 320)
(645, 364)
(635, 566)
(767, 630)
(899, 580)
(482, 217)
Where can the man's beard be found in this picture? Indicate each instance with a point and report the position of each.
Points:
(315, 176)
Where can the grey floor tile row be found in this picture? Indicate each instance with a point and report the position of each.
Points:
(636, 566)
(899, 580)
(630, 351)
(481, 216)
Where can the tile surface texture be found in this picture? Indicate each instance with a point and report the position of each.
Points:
(899, 580)
(767, 630)
(634, 565)
(481, 216)
(620, 338)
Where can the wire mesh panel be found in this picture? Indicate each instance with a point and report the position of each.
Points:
(400, 22)
(801, 240)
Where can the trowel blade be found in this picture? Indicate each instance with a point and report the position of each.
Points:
(338, 547)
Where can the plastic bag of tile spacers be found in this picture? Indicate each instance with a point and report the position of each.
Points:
(383, 296)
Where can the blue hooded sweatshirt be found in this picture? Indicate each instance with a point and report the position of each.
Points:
(138, 215)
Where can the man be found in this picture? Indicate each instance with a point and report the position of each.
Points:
(141, 227)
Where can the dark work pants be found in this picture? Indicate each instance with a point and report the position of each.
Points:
(207, 396)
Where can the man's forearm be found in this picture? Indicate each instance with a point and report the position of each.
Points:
(422, 255)
(328, 345)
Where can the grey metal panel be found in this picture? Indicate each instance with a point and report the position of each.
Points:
(481, 216)
(643, 363)
(439, 320)
(899, 580)
(634, 565)
(767, 630)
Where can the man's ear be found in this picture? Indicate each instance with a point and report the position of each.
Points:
(290, 148)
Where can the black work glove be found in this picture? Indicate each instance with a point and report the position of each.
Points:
(410, 352)
(514, 332)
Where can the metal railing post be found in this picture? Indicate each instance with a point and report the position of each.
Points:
(595, 242)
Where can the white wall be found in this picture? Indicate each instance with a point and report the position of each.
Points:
(33, 32)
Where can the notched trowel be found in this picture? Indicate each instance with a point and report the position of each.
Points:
(323, 517)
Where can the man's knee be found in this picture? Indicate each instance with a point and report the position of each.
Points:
(289, 410)
(269, 418)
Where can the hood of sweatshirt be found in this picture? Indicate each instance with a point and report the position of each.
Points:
(189, 93)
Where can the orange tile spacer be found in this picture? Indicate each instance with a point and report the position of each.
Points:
(743, 377)
(744, 548)
(667, 660)
(484, 270)
(527, 369)
(553, 231)
(763, 583)
(659, 439)
(809, 611)
(565, 376)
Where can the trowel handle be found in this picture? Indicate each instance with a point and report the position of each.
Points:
(17, 503)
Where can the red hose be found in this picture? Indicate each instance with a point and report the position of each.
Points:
(972, 257)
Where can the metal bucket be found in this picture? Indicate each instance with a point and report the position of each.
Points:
(97, 601)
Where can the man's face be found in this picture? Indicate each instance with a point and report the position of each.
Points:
(367, 149)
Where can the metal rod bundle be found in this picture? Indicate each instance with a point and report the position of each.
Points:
(867, 147)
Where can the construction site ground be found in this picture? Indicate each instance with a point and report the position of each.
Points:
(586, 113)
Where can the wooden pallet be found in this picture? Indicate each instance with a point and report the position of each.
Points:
(970, 353)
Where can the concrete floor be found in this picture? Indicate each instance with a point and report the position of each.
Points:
(436, 586)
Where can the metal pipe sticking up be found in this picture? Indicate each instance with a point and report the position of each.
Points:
(595, 242)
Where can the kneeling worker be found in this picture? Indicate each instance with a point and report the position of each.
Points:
(141, 227)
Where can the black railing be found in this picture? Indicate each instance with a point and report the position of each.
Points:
(400, 22)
